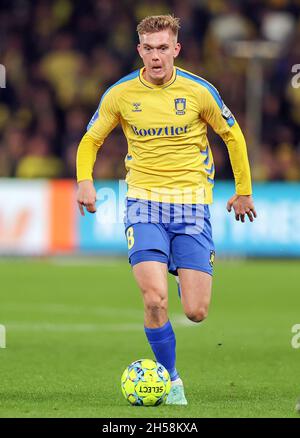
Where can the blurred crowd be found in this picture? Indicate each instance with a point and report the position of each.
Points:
(61, 55)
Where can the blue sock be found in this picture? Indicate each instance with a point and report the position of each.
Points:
(163, 344)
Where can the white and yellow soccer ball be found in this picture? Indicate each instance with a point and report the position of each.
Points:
(145, 382)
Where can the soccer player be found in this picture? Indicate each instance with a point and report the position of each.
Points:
(164, 112)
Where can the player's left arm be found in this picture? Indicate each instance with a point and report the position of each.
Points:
(242, 205)
(218, 116)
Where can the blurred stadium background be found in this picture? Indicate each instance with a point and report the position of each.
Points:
(59, 57)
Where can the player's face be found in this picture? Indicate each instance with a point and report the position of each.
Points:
(158, 51)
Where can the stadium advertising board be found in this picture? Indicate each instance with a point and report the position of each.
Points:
(41, 217)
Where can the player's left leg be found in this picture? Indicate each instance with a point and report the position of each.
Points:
(192, 258)
(195, 289)
(195, 297)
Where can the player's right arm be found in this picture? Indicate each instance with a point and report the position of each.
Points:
(102, 123)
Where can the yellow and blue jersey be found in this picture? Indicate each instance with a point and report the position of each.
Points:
(166, 131)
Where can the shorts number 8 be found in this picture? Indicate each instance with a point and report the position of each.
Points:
(130, 238)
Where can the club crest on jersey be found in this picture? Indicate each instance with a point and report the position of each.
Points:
(180, 105)
(136, 107)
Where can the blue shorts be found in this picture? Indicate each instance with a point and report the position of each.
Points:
(176, 234)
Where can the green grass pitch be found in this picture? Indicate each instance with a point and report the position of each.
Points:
(73, 327)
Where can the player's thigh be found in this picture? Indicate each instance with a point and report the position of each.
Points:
(148, 252)
(195, 289)
(151, 277)
(193, 259)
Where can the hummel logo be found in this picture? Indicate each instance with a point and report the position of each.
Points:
(136, 107)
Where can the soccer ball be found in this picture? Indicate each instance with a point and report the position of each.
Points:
(145, 382)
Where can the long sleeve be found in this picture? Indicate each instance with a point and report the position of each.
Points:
(218, 116)
(237, 149)
(102, 123)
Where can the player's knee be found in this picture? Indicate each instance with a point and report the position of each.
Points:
(154, 301)
(197, 315)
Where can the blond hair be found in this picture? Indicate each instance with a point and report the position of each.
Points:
(156, 23)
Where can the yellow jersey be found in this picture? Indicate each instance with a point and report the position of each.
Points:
(166, 131)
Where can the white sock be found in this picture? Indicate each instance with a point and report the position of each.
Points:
(178, 381)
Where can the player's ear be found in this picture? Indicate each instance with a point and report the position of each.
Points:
(177, 49)
(138, 47)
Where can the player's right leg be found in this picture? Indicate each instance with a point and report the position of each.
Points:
(148, 255)
(151, 277)
(148, 251)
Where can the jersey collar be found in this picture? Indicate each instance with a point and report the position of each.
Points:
(153, 86)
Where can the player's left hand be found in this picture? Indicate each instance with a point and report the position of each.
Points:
(242, 205)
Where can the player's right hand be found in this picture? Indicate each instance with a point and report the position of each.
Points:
(86, 196)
